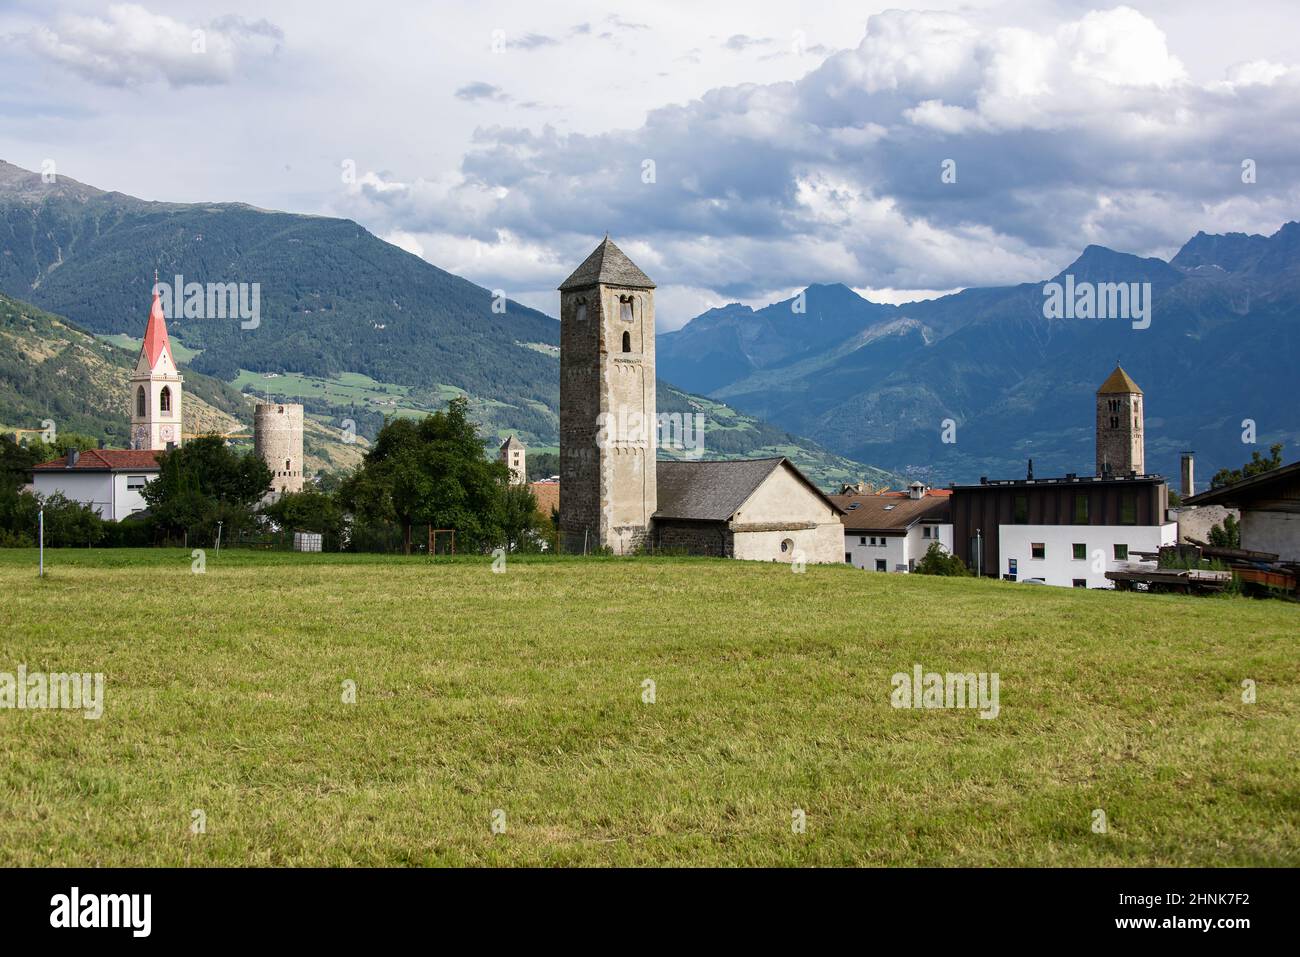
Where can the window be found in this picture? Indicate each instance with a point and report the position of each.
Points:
(1021, 510)
(862, 539)
(1080, 508)
(625, 308)
(580, 313)
(848, 558)
(1080, 552)
(627, 342)
(880, 564)
(1121, 553)
(165, 400)
(1080, 582)
(288, 467)
(1128, 508)
(1037, 550)
(135, 482)
(140, 402)
(786, 546)
(925, 531)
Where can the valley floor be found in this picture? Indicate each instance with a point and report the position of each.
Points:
(520, 699)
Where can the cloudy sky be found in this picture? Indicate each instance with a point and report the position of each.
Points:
(737, 151)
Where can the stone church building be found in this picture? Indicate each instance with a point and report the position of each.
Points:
(614, 493)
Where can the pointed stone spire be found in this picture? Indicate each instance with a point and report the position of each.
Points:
(607, 265)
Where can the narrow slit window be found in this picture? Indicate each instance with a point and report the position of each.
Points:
(627, 342)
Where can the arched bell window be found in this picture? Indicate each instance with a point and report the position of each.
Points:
(627, 342)
(140, 401)
(165, 400)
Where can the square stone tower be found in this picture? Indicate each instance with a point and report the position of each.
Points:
(512, 453)
(1120, 445)
(607, 404)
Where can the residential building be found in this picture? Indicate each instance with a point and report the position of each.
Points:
(1269, 504)
(1070, 531)
(892, 531)
(111, 481)
(1065, 531)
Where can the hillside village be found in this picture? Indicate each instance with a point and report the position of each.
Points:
(615, 493)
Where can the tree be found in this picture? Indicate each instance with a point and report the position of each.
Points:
(939, 561)
(69, 523)
(431, 471)
(15, 461)
(542, 465)
(1227, 535)
(1257, 465)
(306, 511)
(520, 522)
(205, 482)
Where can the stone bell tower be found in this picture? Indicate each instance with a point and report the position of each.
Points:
(607, 404)
(1121, 447)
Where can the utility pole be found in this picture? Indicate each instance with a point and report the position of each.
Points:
(41, 534)
(219, 524)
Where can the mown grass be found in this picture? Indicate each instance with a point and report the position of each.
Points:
(522, 692)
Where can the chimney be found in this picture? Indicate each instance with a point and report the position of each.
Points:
(916, 490)
(73, 455)
(1189, 475)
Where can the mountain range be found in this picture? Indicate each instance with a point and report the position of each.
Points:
(878, 382)
(351, 326)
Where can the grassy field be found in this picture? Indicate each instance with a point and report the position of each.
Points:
(523, 692)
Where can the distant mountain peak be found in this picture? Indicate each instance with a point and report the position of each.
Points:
(1102, 264)
(24, 185)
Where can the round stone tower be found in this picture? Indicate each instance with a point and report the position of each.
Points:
(277, 437)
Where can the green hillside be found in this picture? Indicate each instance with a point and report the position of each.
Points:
(50, 369)
(352, 327)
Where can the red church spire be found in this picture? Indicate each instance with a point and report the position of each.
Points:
(155, 334)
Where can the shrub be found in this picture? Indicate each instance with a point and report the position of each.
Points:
(938, 561)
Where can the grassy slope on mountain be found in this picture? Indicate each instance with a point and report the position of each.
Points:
(334, 298)
(50, 369)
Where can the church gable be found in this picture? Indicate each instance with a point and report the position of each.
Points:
(785, 496)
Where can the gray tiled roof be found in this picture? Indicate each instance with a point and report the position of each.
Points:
(609, 265)
(511, 443)
(708, 491)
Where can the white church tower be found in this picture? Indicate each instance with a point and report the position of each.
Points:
(156, 388)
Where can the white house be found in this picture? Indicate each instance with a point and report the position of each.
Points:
(111, 481)
(1077, 555)
(892, 531)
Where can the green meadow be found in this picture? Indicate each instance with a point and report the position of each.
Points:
(521, 699)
